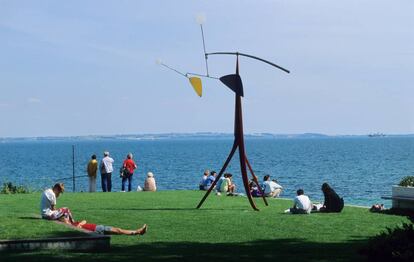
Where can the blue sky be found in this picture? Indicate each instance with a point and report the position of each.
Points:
(88, 67)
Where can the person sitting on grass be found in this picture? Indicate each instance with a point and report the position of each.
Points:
(210, 179)
(254, 189)
(271, 187)
(48, 204)
(218, 185)
(149, 184)
(332, 203)
(302, 204)
(203, 180)
(227, 186)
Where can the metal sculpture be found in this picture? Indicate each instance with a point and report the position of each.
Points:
(234, 82)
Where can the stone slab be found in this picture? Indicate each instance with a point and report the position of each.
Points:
(95, 242)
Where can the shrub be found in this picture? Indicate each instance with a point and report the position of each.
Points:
(9, 188)
(394, 245)
(407, 181)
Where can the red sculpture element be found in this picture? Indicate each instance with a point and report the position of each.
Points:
(234, 83)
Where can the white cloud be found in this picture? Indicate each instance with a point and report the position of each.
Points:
(33, 100)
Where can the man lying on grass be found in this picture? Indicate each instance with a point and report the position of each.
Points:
(105, 230)
(109, 230)
(48, 204)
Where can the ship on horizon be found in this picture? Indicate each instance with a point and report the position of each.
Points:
(376, 135)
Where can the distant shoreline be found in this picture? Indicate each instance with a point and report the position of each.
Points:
(201, 135)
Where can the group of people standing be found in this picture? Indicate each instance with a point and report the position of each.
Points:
(106, 169)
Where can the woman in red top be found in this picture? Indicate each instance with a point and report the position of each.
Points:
(127, 172)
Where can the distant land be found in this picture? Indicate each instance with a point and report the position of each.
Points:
(199, 135)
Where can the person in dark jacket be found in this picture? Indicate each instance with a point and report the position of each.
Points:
(332, 203)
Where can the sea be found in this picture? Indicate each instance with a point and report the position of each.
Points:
(360, 169)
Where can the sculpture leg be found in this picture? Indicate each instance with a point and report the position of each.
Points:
(235, 145)
(257, 182)
(245, 177)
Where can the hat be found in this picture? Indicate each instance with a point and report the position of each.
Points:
(150, 174)
(60, 187)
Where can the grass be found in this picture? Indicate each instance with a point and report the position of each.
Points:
(224, 228)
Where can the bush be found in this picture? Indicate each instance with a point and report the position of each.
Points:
(9, 188)
(407, 181)
(395, 244)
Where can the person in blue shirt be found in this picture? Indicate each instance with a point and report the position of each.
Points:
(202, 183)
(210, 179)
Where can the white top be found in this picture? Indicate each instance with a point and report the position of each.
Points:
(225, 185)
(107, 162)
(218, 185)
(203, 180)
(303, 202)
(270, 186)
(47, 201)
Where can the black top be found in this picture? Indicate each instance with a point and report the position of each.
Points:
(333, 202)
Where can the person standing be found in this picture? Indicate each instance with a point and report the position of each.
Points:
(106, 172)
(92, 169)
(128, 171)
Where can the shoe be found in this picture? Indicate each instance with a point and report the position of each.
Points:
(123, 191)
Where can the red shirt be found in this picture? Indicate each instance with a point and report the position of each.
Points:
(89, 227)
(130, 165)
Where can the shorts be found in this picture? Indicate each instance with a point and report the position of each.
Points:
(101, 229)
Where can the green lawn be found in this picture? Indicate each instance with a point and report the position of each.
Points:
(224, 228)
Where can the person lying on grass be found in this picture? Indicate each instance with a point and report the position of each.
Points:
(106, 230)
(48, 204)
(110, 230)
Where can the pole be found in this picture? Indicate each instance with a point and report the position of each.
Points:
(73, 168)
(204, 48)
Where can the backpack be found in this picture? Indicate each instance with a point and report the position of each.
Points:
(124, 172)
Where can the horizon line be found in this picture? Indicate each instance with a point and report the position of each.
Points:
(204, 133)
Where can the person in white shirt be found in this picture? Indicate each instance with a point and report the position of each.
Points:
(48, 204)
(271, 187)
(219, 182)
(106, 169)
(302, 203)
